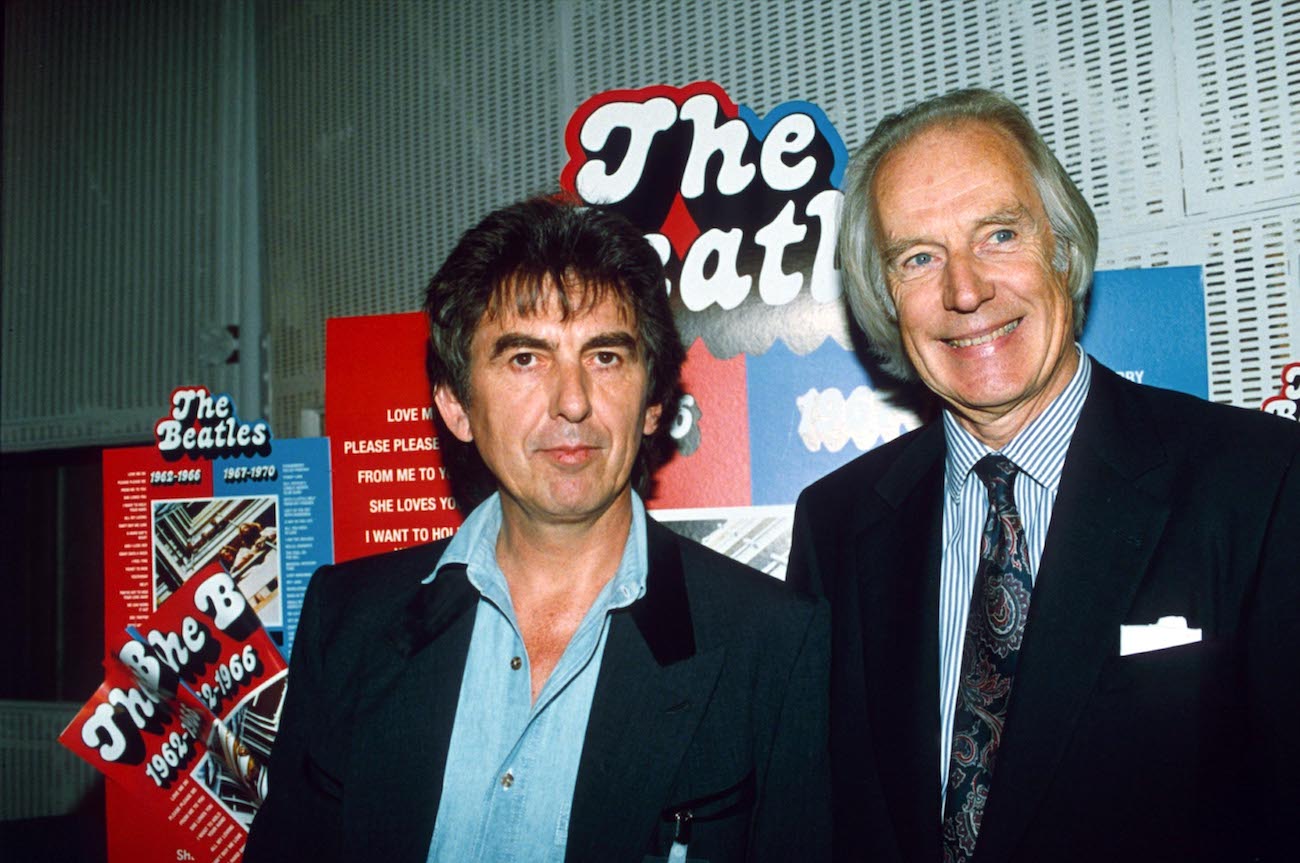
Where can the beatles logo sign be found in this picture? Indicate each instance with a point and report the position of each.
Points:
(743, 210)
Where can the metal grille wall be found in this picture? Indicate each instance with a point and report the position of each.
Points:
(40, 777)
(389, 131)
(384, 130)
(130, 215)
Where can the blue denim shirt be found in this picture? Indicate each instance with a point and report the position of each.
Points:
(512, 764)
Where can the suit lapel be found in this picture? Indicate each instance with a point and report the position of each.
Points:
(1105, 526)
(652, 691)
(408, 710)
(898, 554)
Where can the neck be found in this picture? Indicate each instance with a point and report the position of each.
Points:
(574, 559)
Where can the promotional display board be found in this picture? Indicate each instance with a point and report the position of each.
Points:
(390, 486)
(210, 538)
(743, 211)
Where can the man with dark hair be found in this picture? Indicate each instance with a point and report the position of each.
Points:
(1066, 615)
(564, 679)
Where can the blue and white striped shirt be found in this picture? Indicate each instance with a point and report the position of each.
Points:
(1039, 451)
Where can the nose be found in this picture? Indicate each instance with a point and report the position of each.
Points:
(571, 398)
(965, 288)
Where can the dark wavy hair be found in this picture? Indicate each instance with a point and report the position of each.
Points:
(510, 261)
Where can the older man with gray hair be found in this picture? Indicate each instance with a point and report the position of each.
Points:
(1066, 614)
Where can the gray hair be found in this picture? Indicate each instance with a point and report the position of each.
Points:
(1074, 227)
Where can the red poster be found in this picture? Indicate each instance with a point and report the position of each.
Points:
(135, 477)
(184, 722)
(711, 465)
(390, 486)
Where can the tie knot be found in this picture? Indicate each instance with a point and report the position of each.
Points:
(997, 472)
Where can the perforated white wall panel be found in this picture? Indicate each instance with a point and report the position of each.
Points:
(387, 129)
(1177, 119)
(128, 241)
(1239, 102)
(1238, 72)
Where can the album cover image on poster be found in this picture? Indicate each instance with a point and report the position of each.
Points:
(240, 533)
(757, 536)
(233, 770)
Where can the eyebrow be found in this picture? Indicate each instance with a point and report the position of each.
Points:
(894, 249)
(1017, 215)
(612, 339)
(1010, 215)
(515, 341)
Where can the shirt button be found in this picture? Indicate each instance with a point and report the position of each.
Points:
(516, 663)
(507, 780)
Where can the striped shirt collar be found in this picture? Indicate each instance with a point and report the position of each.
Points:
(1038, 450)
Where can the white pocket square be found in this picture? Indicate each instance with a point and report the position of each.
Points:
(1165, 632)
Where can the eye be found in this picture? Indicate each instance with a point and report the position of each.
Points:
(1003, 235)
(920, 259)
(523, 359)
(607, 358)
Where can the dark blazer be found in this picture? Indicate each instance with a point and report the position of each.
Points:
(1167, 506)
(711, 697)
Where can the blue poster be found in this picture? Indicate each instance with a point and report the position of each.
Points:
(294, 480)
(808, 415)
(1149, 326)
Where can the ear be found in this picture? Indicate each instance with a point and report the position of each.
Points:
(652, 415)
(453, 413)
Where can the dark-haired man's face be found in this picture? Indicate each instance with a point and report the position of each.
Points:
(557, 408)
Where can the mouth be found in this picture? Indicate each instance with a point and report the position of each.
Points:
(570, 455)
(984, 339)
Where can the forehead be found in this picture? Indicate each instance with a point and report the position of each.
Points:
(525, 306)
(948, 169)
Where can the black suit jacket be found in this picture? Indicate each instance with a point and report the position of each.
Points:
(711, 697)
(1168, 506)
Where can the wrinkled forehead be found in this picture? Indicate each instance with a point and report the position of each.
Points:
(953, 175)
(566, 296)
(980, 143)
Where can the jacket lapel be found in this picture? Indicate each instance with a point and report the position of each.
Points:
(408, 708)
(652, 691)
(1109, 514)
(898, 554)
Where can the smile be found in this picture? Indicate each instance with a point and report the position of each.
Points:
(987, 337)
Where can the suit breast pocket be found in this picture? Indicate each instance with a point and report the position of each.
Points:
(1176, 699)
(713, 825)
(1186, 668)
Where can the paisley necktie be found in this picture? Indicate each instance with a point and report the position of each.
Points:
(998, 611)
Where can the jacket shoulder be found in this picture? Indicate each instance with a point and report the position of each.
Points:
(848, 481)
(1191, 428)
(731, 601)
(368, 591)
